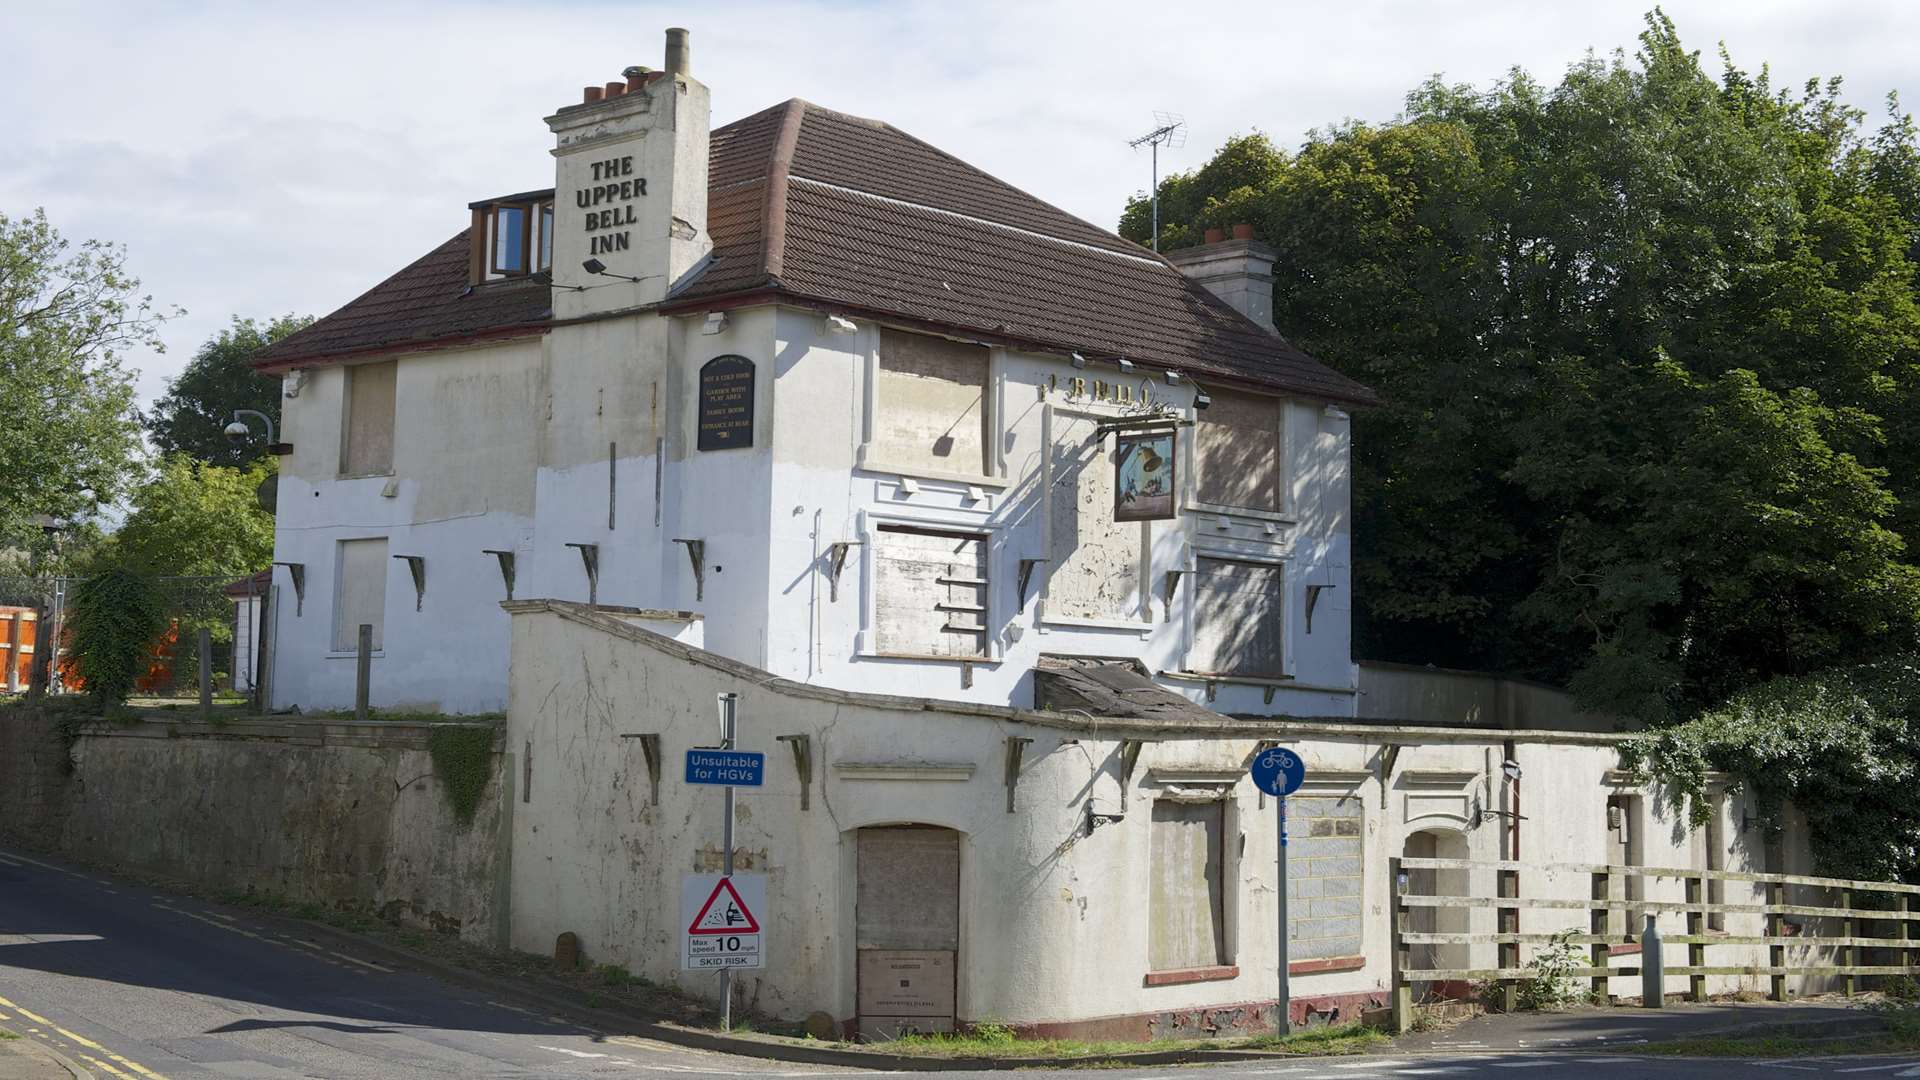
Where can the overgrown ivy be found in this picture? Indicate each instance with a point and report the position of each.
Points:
(117, 616)
(1843, 746)
(463, 760)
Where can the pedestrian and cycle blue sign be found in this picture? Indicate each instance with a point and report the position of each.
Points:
(726, 768)
(1278, 771)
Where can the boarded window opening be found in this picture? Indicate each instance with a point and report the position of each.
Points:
(1238, 452)
(1239, 618)
(930, 590)
(930, 405)
(360, 592)
(367, 436)
(1094, 570)
(1187, 905)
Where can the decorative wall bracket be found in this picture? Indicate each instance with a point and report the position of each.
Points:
(802, 747)
(650, 746)
(1016, 746)
(1313, 600)
(836, 562)
(590, 559)
(506, 567)
(417, 566)
(697, 555)
(1171, 582)
(1129, 757)
(298, 572)
(1389, 757)
(1026, 576)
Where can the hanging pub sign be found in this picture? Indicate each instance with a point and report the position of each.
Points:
(1143, 475)
(726, 403)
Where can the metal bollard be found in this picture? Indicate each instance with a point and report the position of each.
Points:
(1653, 972)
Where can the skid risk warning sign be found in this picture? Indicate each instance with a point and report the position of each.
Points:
(722, 919)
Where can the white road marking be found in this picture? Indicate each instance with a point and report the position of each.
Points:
(1915, 1071)
(1875, 1068)
(1522, 1064)
(574, 1053)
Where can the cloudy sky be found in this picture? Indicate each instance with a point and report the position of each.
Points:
(262, 157)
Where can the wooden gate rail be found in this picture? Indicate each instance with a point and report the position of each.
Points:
(1606, 912)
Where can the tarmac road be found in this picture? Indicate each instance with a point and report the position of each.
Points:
(133, 984)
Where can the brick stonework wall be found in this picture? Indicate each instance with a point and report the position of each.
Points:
(34, 783)
(1323, 876)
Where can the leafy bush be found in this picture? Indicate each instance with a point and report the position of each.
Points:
(463, 760)
(1552, 985)
(117, 614)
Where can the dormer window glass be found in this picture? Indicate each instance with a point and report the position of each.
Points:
(509, 239)
(512, 237)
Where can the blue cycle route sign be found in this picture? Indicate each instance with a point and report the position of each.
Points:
(1278, 771)
(726, 768)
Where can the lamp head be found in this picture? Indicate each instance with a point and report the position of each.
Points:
(594, 266)
(237, 433)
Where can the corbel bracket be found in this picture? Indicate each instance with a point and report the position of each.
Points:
(298, 572)
(802, 747)
(697, 555)
(417, 566)
(1026, 576)
(650, 746)
(590, 559)
(1129, 757)
(836, 562)
(505, 559)
(1016, 746)
(1389, 757)
(1313, 600)
(1171, 582)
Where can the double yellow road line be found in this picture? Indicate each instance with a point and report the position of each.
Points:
(126, 1069)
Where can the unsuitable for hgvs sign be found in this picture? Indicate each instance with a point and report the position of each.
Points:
(728, 768)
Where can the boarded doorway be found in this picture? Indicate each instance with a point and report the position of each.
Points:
(906, 928)
(1438, 844)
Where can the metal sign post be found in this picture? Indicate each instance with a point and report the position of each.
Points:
(729, 703)
(1279, 772)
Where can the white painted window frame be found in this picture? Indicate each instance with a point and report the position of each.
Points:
(939, 518)
(339, 580)
(867, 345)
(1142, 624)
(1290, 620)
(1207, 790)
(1191, 502)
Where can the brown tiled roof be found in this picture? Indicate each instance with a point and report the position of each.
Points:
(813, 205)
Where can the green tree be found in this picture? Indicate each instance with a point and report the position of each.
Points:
(192, 416)
(69, 436)
(1648, 342)
(197, 520)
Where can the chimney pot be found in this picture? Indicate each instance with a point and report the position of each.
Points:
(679, 52)
(636, 81)
(590, 95)
(615, 89)
(1243, 232)
(1214, 236)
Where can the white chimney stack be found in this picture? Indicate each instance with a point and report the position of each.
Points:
(1238, 270)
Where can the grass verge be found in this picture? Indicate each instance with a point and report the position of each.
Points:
(1902, 1035)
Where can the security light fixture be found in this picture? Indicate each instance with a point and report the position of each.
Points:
(1079, 361)
(1511, 768)
(1201, 399)
(1125, 364)
(716, 322)
(594, 266)
(1174, 378)
(840, 324)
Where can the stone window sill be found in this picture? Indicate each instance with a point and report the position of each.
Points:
(1180, 976)
(1330, 964)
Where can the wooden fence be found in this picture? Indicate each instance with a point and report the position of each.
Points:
(1605, 917)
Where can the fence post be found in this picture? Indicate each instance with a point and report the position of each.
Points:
(1402, 992)
(1908, 955)
(1849, 928)
(363, 673)
(1509, 952)
(45, 648)
(16, 632)
(1776, 953)
(205, 643)
(1600, 922)
(1696, 928)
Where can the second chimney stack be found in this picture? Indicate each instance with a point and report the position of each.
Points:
(679, 52)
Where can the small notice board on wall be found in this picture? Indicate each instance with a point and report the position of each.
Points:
(726, 403)
(1143, 475)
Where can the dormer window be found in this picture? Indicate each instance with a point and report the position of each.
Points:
(512, 236)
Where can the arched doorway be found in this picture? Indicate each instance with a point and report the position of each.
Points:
(906, 920)
(1438, 844)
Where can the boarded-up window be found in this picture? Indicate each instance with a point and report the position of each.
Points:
(366, 445)
(1239, 618)
(930, 405)
(930, 592)
(1323, 876)
(1187, 905)
(1094, 566)
(360, 592)
(1237, 452)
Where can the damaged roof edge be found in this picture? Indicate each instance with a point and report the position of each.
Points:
(1323, 727)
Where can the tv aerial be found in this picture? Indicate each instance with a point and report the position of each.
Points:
(1170, 131)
